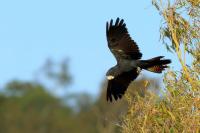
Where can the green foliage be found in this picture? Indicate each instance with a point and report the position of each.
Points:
(33, 111)
(57, 72)
(29, 107)
(108, 116)
(179, 109)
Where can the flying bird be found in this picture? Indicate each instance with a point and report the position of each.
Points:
(129, 63)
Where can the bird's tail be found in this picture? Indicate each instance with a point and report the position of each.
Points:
(156, 64)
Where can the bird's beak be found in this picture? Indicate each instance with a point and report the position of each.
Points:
(109, 77)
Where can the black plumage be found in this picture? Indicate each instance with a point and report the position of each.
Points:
(128, 57)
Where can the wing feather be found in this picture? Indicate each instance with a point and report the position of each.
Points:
(117, 86)
(120, 42)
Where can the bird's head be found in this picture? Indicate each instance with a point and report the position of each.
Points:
(111, 73)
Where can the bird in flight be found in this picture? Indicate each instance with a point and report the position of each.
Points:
(129, 63)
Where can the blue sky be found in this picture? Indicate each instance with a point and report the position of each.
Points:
(32, 31)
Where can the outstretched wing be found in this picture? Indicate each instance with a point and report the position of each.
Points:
(120, 42)
(117, 86)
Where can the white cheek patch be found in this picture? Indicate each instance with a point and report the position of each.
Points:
(120, 50)
(110, 77)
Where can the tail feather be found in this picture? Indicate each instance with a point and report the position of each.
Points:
(156, 64)
(157, 69)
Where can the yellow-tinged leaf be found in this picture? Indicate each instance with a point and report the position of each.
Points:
(172, 116)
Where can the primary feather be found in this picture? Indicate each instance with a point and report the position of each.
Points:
(128, 56)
